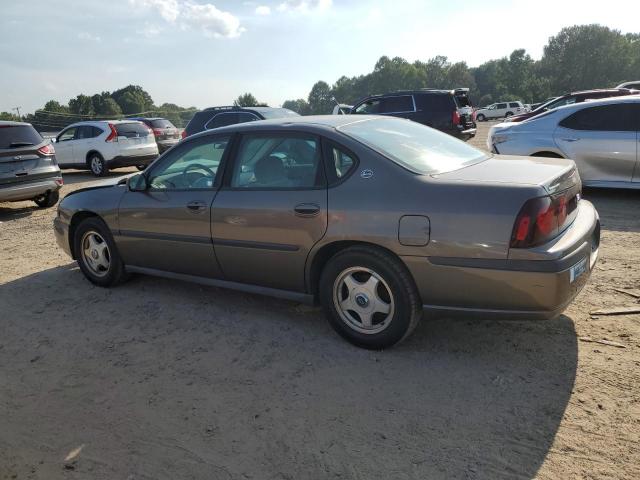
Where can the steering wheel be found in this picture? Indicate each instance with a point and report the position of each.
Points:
(199, 166)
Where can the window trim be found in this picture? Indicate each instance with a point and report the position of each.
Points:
(177, 150)
(234, 112)
(321, 174)
(327, 146)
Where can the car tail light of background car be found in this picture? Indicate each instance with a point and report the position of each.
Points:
(456, 117)
(157, 132)
(541, 219)
(47, 150)
(113, 135)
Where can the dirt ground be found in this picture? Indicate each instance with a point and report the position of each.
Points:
(158, 379)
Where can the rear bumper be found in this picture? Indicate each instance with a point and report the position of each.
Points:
(27, 190)
(519, 288)
(131, 161)
(465, 134)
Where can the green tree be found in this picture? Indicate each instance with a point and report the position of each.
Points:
(9, 117)
(133, 99)
(300, 106)
(81, 105)
(321, 99)
(248, 100)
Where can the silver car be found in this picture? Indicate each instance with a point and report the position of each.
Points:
(601, 136)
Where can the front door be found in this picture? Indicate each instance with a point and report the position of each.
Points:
(64, 147)
(168, 226)
(271, 211)
(602, 141)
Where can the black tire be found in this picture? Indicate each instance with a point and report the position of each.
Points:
(508, 114)
(393, 275)
(481, 118)
(115, 273)
(48, 199)
(97, 165)
(546, 154)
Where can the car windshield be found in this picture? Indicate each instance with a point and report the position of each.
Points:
(14, 136)
(278, 113)
(418, 148)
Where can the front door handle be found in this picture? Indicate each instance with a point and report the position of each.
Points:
(196, 207)
(307, 210)
(569, 139)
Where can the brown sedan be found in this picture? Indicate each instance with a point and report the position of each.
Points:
(377, 218)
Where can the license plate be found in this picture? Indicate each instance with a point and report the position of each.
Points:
(577, 270)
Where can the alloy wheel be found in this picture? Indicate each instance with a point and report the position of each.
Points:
(95, 253)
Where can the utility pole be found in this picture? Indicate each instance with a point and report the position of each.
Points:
(17, 109)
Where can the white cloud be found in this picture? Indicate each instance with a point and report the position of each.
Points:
(89, 37)
(305, 6)
(149, 30)
(188, 14)
(263, 10)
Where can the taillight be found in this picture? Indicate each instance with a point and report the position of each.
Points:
(541, 219)
(456, 117)
(47, 150)
(157, 131)
(113, 135)
(59, 181)
(184, 134)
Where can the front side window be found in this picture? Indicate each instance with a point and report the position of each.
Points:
(369, 107)
(194, 166)
(501, 106)
(277, 161)
(418, 148)
(67, 135)
(611, 118)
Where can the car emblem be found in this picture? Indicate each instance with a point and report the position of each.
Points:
(366, 173)
(17, 158)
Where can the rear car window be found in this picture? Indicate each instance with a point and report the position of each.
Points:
(162, 123)
(14, 136)
(463, 100)
(418, 148)
(132, 130)
(434, 102)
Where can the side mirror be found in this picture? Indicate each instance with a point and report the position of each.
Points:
(137, 183)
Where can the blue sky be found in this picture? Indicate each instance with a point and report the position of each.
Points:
(203, 53)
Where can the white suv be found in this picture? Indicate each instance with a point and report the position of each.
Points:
(102, 145)
(500, 110)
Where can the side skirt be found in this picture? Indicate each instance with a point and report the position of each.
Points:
(213, 282)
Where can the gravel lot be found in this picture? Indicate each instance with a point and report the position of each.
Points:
(158, 379)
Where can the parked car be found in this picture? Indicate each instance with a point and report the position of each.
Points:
(216, 117)
(28, 168)
(102, 145)
(165, 132)
(500, 110)
(449, 111)
(571, 98)
(601, 136)
(276, 208)
(635, 85)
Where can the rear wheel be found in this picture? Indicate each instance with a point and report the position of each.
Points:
(481, 118)
(369, 297)
(97, 254)
(48, 199)
(97, 165)
(508, 114)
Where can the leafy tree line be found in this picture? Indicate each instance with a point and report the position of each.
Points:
(577, 58)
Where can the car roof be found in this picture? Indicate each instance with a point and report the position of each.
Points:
(599, 101)
(595, 90)
(11, 123)
(239, 109)
(412, 92)
(101, 122)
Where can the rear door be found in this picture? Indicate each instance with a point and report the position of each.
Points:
(65, 153)
(168, 226)
(602, 140)
(272, 210)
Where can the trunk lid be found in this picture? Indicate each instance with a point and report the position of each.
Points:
(552, 174)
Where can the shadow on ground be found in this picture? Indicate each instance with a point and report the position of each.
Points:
(162, 379)
(614, 206)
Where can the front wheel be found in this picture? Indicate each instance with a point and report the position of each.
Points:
(47, 200)
(369, 297)
(97, 254)
(97, 165)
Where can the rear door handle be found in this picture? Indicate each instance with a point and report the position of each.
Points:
(196, 207)
(569, 139)
(307, 210)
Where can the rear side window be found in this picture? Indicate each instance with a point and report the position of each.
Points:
(399, 104)
(14, 136)
(339, 161)
(87, 131)
(244, 117)
(131, 130)
(605, 118)
(514, 105)
(222, 120)
(433, 102)
(161, 123)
